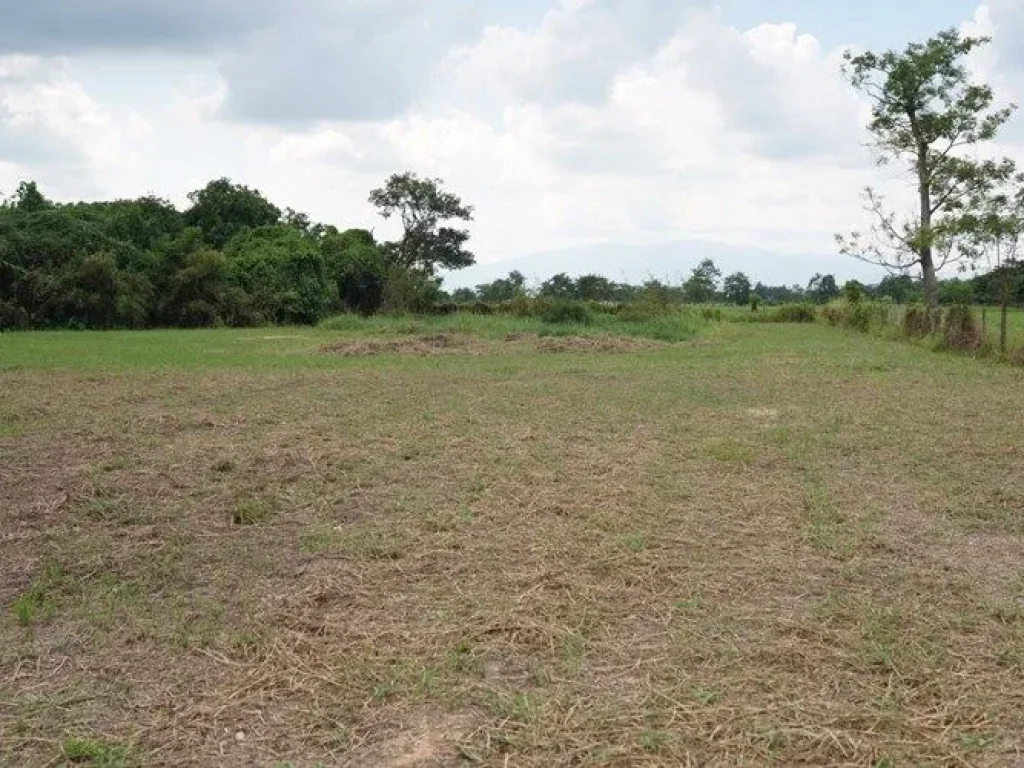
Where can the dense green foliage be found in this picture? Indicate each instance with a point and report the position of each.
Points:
(232, 258)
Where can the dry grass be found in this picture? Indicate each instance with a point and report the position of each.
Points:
(467, 344)
(790, 546)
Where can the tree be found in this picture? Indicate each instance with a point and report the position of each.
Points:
(28, 198)
(502, 289)
(997, 233)
(853, 291)
(283, 273)
(355, 263)
(560, 286)
(424, 208)
(822, 289)
(737, 289)
(703, 283)
(900, 288)
(595, 288)
(222, 210)
(924, 112)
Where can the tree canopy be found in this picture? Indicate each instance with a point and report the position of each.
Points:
(425, 208)
(926, 112)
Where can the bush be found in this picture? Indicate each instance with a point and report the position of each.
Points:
(961, 330)
(917, 322)
(444, 308)
(832, 315)
(561, 312)
(794, 313)
(522, 306)
(859, 317)
(12, 316)
(644, 309)
(410, 291)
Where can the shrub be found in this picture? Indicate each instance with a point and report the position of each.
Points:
(859, 317)
(644, 309)
(560, 312)
(853, 292)
(409, 290)
(444, 308)
(520, 306)
(917, 322)
(481, 308)
(961, 330)
(832, 314)
(794, 313)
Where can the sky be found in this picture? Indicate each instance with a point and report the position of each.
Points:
(565, 123)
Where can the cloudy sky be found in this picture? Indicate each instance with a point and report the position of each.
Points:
(565, 122)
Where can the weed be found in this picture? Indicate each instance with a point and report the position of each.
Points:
(653, 741)
(39, 601)
(316, 541)
(823, 521)
(730, 451)
(704, 696)
(253, 511)
(635, 542)
(975, 742)
(95, 754)
(116, 511)
(459, 657)
(521, 707)
(880, 631)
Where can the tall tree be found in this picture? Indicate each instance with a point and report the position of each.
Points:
(222, 210)
(425, 208)
(737, 288)
(703, 282)
(925, 111)
(559, 286)
(822, 289)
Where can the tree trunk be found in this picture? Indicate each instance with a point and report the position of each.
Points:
(1004, 311)
(925, 256)
(931, 281)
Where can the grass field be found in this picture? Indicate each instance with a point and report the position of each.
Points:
(397, 545)
(1014, 325)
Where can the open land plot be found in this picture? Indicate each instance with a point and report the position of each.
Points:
(772, 544)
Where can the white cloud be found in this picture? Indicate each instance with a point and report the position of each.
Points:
(48, 121)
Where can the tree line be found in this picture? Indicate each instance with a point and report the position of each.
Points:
(231, 258)
(706, 285)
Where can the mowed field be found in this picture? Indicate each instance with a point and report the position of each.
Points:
(767, 545)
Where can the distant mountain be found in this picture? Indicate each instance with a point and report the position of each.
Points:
(668, 262)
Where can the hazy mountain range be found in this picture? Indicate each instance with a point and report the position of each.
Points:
(668, 262)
